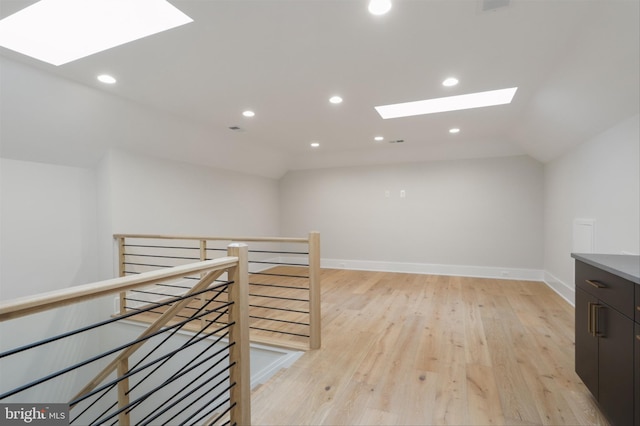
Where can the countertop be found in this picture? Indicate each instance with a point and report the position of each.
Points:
(622, 265)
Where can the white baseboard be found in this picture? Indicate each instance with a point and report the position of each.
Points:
(564, 290)
(435, 269)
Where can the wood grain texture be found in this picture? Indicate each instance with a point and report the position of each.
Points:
(239, 353)
(55, 299)
(244, 239)
(402, 349)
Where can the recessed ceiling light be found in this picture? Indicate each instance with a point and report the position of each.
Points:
(451, 81)
(106, 78)
(379, 7)
(248, 113)
(378, 138)
(451, 103)
(335, 100)
(454, 130)
(315, 144)
(61, 31)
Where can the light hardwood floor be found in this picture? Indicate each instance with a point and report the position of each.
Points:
(403, 349)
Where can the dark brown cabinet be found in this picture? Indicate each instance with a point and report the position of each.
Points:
(615, 372)
(637, 358)
(636, 362)
(606, 342)
(637, 370)
(586, 344)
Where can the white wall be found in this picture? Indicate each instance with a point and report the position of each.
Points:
(48, 227)
(48, 241)
(600, 179)
(142, 194)
(484, 213)
(151, 195)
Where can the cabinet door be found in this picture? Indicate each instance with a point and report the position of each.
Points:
(586, 344)
(615, 362)
(637, 374)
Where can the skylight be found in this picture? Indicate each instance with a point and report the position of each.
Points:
(61, 31)
(451, 103)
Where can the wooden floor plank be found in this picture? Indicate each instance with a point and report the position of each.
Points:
(503, 338)
(476, 351)
(420, 349)
(483, 398)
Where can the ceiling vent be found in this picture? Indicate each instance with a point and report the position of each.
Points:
(492, 5)
(397, 141)
(236, 128)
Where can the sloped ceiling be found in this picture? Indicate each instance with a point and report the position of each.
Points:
(576, 64)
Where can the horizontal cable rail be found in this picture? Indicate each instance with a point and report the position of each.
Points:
(186, 367)
(284, 284)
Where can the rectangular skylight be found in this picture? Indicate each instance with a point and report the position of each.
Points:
(61, 31)
(451, 103)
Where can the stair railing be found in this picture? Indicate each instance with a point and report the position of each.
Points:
(284, 280)
(164, 375)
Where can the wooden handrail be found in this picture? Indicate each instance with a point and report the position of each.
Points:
(42, 302)
(236, 239)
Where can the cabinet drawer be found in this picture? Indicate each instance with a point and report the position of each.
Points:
(609, 288)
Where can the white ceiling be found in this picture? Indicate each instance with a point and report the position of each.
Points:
(576, 64)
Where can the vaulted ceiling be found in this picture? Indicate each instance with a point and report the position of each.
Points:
(575, 63)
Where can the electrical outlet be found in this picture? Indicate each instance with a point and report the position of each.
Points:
(403, 193)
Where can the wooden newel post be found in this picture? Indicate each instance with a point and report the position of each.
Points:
(239, 354)
(315, 295)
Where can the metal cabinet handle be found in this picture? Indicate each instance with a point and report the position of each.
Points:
(596, 311)
(592, 319)
(596, 284)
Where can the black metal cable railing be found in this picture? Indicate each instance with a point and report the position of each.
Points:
(175, 328)
(167, 383)
(279, 281)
